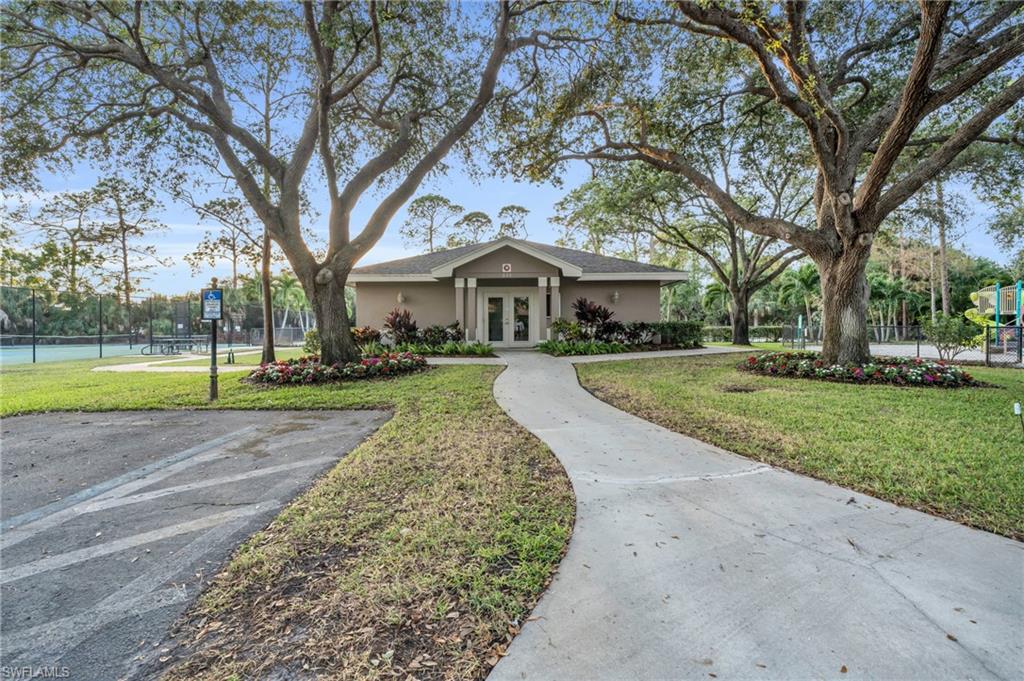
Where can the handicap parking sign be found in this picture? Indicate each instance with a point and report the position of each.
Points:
(213, 299)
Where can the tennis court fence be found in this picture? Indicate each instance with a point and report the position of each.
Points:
(39, 325)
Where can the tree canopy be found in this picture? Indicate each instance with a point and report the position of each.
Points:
(885, 97)
(381, 93)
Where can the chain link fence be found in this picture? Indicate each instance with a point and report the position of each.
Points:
(41, 325)
(1000, 347)
(905, 336)
(1003, 346)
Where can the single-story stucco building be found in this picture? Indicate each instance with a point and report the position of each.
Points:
(506, 292)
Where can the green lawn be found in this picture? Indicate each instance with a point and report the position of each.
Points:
(418, 552)
(955, 453)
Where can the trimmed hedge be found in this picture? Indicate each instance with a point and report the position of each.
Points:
(680, 334)
(308, 369)
(769, 333)
(903, 371)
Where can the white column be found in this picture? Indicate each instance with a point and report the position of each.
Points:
(556, 299)
(460, 302)
(471, 309)
(542, 292)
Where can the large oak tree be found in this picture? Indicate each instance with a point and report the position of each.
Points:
(886, 96)
(388, 90)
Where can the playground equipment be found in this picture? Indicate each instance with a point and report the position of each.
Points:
(1000, 311)
(1004, 303)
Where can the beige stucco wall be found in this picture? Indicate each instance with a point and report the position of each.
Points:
(430, 302)
(523, 265)
(639, 301)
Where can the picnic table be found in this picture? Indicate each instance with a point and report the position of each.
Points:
(174, 345)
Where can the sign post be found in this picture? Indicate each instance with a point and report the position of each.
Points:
(213, 312)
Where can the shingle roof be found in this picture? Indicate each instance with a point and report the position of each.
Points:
(588, 262)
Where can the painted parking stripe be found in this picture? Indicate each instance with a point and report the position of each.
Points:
(19, 535)
(107, 485)
(88, 553)
(46, 643)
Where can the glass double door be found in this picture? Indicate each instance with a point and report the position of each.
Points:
(508, 319)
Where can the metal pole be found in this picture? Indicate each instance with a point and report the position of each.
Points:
(1020, 342)
(213, 360)
(33, 326)
(1020, 302)
(998, 302)
(987, 329)
(918, 336)
(213, 344)
(101, 324)
(151, 323)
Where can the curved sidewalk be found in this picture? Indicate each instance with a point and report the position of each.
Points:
(689, 562)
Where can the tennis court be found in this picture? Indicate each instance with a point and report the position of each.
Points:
(14, 351)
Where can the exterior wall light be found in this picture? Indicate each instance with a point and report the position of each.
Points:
(615, 297)
(401, 298)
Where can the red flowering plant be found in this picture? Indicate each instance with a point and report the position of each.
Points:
(308, 369)
(907, 371)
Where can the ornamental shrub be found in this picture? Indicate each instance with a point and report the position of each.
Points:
(439, 335)
(308, 369)
(566, 329)
(904, 371)
(769, 333)
(595, 320)
(448, 348)
(950, 334)
(637, 333)
(560, 348)
(365, 334)
(680, 334)
(717, 334)
(400, 326)
(311, 342)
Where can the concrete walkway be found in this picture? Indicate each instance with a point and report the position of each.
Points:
(688, 562)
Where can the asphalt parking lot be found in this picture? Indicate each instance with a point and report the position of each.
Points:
(110, 524)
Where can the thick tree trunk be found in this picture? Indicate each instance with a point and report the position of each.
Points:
(328, 301)
(268, 307)
(844, 291)
(739, 316)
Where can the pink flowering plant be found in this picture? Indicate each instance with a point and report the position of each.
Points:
(906, 371)
(308, 369)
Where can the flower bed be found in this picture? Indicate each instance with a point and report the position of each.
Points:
(308, 369)
(908, 371)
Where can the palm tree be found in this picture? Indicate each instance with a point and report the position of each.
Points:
(885, 299)
(716, 298)
(801, 288)
(288, 294)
